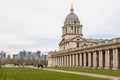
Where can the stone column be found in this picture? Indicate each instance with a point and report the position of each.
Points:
(73, 60)
(115, 58)
(64, 60)
(107, 59)
(94, 60)
(84, 59)
(60, 60)
(76, 60)
(100, 60)
(80, 59)
(52, 61)
(89, 59)
(70, 60)
(67, 61)
(55, 60)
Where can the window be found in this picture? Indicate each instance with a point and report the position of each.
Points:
(75, 22)
(66, 30)
(71, 27)
(75, 29)
(77, 44)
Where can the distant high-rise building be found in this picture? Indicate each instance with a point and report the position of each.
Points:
(22, 55)
(8, 56)
(44, 57)
(2, 55)
(15, 56)
(29, 55)
(38, 55)
(33, 55)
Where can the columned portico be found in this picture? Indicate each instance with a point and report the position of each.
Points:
(102, 59)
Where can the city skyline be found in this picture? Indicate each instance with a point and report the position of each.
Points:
(36, 25)
(23, 55)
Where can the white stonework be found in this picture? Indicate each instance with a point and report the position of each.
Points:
(76, 51)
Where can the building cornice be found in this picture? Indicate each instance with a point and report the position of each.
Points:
(113, 43)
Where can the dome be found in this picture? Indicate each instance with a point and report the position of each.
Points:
(71, 18)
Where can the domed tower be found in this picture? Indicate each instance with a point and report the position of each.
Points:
(72, 29)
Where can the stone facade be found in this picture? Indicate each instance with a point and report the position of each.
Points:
(76, 51)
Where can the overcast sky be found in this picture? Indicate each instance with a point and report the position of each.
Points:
(36, 24)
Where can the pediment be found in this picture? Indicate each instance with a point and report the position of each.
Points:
(77, 38)
(63, 41)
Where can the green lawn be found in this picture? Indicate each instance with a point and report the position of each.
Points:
(35, 74)
(97, 71)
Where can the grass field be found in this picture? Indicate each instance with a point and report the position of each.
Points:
(97, 71)
(35, 74)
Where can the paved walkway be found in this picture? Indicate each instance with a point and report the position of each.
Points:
(87, 74)
(83, 73)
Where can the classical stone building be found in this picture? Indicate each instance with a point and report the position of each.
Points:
(76, 51)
